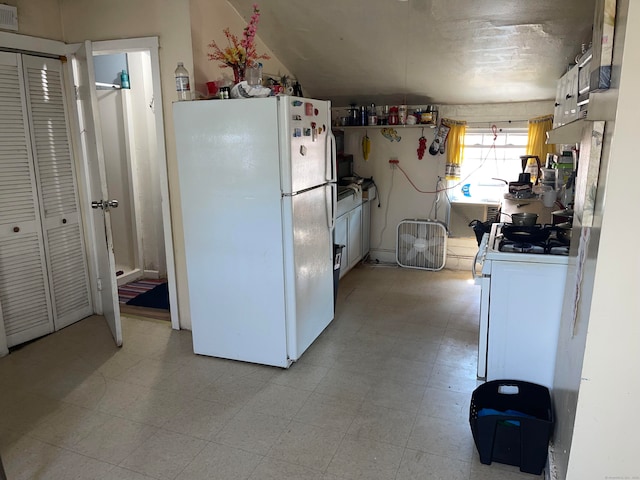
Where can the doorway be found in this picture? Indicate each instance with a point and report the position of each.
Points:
(135, 165)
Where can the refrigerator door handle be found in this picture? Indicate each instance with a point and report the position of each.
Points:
(332, 205)
(331, 173)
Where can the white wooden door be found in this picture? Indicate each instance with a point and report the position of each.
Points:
(24, 286)
(56, 182)
(99, 224)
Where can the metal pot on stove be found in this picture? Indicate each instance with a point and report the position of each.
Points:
(562, 216)
(524, 219)
(563, 232)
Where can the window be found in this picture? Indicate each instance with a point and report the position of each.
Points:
(482, 164)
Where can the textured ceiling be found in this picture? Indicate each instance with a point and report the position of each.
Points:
(425, 51)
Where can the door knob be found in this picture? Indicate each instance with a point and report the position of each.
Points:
(104, 204)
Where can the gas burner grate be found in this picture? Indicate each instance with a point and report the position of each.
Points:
(548, 247)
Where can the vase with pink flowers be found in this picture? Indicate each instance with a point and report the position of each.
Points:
(239, 54)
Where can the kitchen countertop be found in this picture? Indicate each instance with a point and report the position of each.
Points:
(345, 191)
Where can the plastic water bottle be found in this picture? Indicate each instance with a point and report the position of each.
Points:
(124, 80)
(182, 83)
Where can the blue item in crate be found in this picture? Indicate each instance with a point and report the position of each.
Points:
(512, 422)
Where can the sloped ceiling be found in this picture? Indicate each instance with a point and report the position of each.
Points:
(425, 51)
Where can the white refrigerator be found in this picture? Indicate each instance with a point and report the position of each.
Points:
(258, 198)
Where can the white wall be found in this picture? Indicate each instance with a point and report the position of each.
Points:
(599, 384)
(208, 20)
(39, 18)
(146, 164)
(399, 200)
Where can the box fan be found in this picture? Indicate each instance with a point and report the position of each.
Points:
(421, 244)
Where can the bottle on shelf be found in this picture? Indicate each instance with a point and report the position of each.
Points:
(182, 83)
(124, 80)
(373, 117)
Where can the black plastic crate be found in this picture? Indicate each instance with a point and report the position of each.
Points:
(512, 422)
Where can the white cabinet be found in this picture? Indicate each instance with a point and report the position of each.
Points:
(354, 237)
(44, 282)
(368, 196)
(366, 227)
(348, 232)
(566, 106)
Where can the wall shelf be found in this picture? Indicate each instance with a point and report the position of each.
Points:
(364, 127)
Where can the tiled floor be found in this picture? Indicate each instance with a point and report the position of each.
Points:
(382, 394)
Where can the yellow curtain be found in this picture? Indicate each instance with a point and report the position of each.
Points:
(455, 147)
(537, 138)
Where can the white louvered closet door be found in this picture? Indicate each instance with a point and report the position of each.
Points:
(24, 287)
(56, 182)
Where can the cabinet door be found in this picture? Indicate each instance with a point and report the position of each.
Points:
(355, 236)
(340, 233)
(571, 97)
(366, 227)
(24, 285)
(63, 238)
(558, 112)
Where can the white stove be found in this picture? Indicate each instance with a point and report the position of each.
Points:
(520, 309)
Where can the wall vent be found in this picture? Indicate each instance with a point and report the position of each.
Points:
(8, 18)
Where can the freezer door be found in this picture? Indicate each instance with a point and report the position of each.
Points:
(308, 268)
(305, 128)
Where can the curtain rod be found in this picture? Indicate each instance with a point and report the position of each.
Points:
(497, 121)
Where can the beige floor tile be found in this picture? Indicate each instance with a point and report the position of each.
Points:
(416, 349)
(458, 356)
(448, 438)
(149, 372)
(201, 418)
(461, 379)
(382, 424)
(402, 370)
(119, 473)
(396, 365)
(32, 459)
(278, 400)
(26, 456)
(163, 455)
(274, 469)
(397, 395)
(118, 396)
(306, 445)
(417, 465)
(301, 376)
(220, 462)
(23, 411)
(364, 459)
(114, 440)
(232, 390)
(445, 404)
(68, 425)
(328, 412)
(345, 384)
(252, 431)
(322, 353)
(154, 407)
(461, 338)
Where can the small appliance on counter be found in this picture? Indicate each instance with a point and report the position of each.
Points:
(523, 188)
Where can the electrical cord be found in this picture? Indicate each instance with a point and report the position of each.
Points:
(386, 209)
